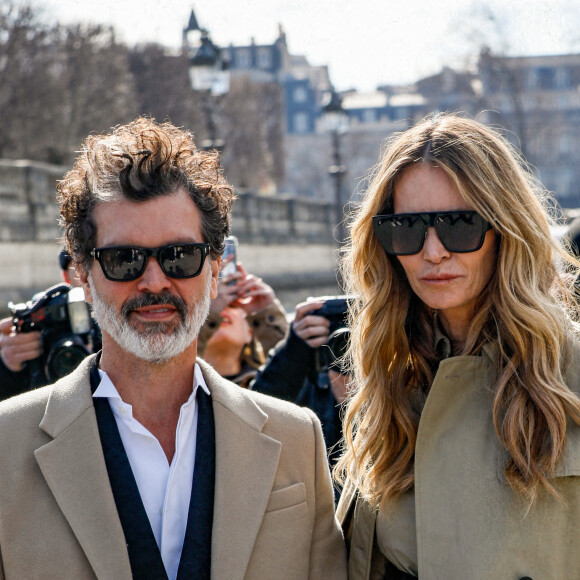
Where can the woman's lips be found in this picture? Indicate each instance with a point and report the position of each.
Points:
(439, 279)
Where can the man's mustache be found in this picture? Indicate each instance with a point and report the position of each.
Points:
(150, 299)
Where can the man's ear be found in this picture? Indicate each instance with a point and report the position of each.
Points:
(215, 266)
(83, 275)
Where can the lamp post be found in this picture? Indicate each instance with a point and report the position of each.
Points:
(209, 75)
(335, 121)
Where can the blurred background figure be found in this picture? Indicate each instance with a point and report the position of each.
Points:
(245, 321)
(573, 234)
(69, 273)
(307, 367)
(20, 346)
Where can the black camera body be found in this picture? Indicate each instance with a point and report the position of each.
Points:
(64, 318)
(330, 355)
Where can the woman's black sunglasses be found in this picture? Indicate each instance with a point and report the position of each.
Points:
(126, 263)
(403, 234)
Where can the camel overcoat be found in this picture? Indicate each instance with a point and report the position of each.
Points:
(273, 511)
(470, 523)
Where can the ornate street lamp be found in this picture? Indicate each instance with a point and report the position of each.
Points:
(335, 121)
(209, 74)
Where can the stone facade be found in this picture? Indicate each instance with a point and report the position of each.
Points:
(29, 212)
(286, 240)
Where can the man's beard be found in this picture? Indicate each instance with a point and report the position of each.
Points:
(156, 342)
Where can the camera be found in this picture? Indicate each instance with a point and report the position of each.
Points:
(64, 318)
(331, 355)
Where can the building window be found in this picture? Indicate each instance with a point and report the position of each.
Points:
(300, 94)
(243, 58)
(400, 113)
(562, 78)
(546, 76)
(264, 58)
(369, 116)
(301, 123)
(532, 79)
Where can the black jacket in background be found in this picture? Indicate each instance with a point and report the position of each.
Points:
(290, 374)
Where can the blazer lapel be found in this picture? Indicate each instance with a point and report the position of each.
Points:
(246, 464)
(74, 469)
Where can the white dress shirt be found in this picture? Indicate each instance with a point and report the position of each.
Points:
(165, 489)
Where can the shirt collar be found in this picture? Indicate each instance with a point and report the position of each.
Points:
(107, 389)
(441, 342)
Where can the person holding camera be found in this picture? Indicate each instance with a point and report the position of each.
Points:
(245, 321)
(305, 370)
(144, 462)
(21, 351)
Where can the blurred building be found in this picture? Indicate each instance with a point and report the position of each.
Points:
(535, 101)
(302, 83)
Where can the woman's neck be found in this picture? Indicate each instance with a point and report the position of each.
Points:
(456, 330)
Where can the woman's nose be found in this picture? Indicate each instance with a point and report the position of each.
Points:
(433, 250)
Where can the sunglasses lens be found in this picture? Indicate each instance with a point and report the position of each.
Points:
(122, 263)
(400, 235)
(460, 232)
(181, 261)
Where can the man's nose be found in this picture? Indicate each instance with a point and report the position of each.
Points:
(433, 250)
(153, 278)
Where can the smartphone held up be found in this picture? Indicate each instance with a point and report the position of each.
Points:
(230, 258)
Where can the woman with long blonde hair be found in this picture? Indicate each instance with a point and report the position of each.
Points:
(462, 440)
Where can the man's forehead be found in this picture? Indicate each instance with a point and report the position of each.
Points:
(167, 219)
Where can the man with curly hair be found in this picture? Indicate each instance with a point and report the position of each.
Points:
(144, 462)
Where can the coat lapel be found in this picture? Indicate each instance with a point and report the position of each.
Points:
(246, 464)
(74, 469)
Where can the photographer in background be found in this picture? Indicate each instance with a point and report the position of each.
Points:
(69, 273)
(305, 371)
(17, 349)
(245, 321)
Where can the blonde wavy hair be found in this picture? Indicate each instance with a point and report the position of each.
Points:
(526, 308)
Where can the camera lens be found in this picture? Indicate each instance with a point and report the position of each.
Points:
(64, 357)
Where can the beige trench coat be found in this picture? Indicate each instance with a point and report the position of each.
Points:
(470, 524)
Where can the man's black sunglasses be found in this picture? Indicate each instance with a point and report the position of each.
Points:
(126, 263)
(403, 234)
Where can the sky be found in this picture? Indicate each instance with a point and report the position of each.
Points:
(365, 43)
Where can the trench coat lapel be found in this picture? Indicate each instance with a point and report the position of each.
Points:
(74, 469)
(246, 464)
